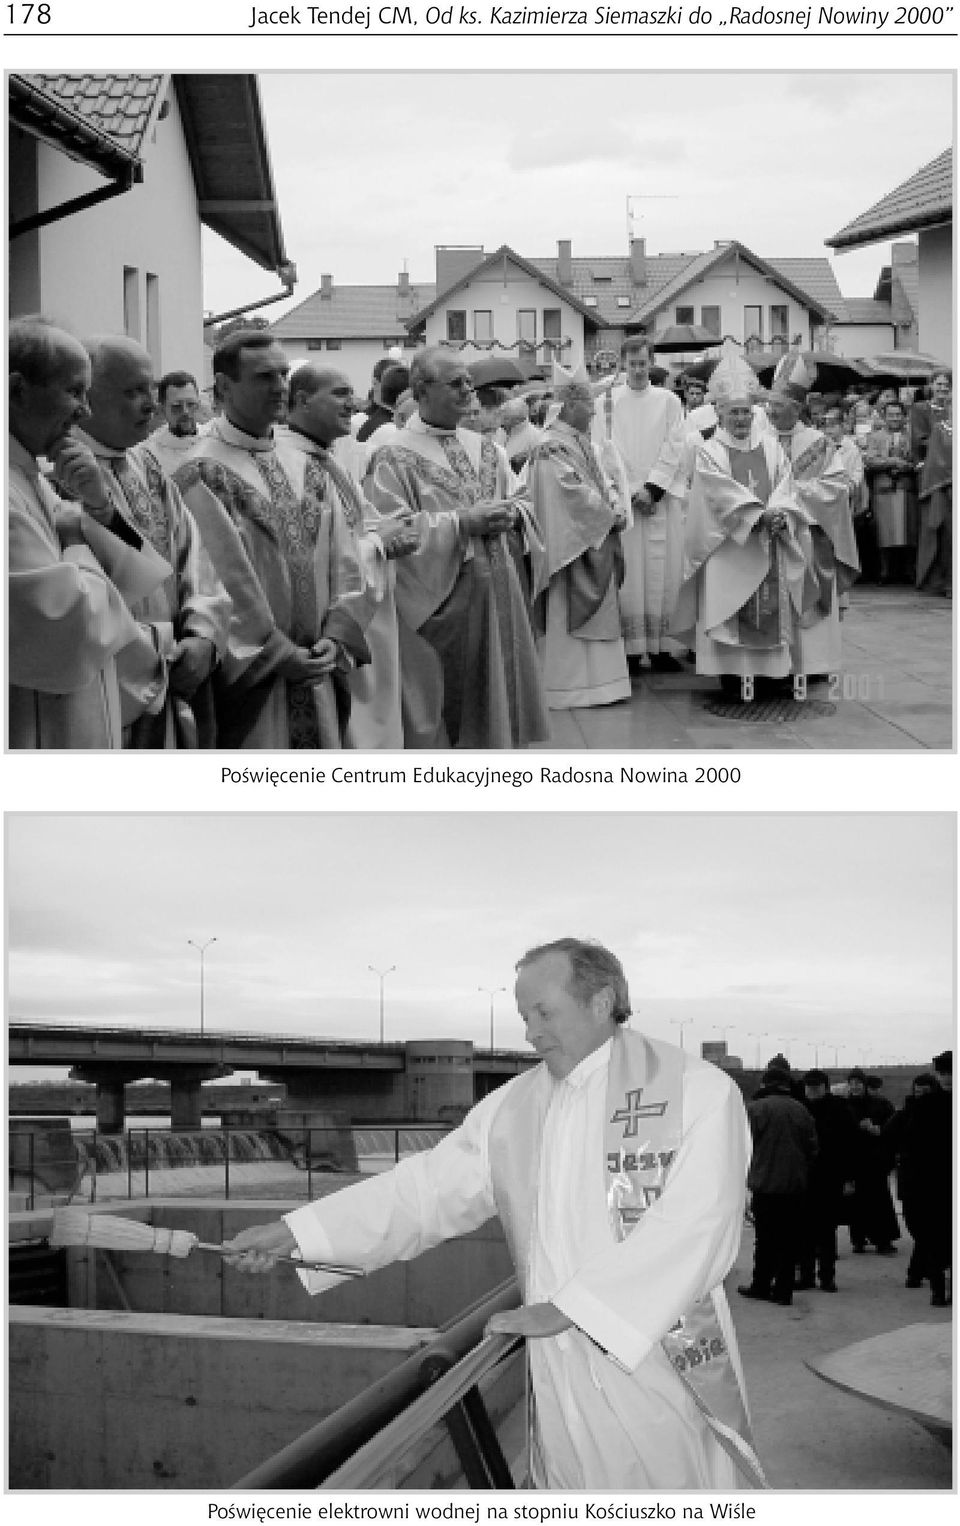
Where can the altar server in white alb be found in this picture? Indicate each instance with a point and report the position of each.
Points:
(639, 419)
(617, 1168)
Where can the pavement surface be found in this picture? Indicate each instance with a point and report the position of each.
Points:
(809, 1434)
(894, 694)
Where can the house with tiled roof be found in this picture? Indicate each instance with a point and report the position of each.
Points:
(923, 205)
(112, 177)
(579, 308)
(352, 327)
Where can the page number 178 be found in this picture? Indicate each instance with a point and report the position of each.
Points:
(23, 15)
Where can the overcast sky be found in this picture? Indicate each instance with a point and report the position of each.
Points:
(835, 929)
(373, 170)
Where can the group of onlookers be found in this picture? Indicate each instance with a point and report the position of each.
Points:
(824, 1157)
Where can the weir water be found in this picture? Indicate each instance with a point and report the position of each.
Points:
(52, 1161)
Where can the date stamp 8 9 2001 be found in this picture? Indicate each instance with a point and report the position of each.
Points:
(841, 687)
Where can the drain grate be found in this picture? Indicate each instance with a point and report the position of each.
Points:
(782, 708)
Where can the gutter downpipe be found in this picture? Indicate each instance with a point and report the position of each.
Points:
(79, 204)
(287, 274)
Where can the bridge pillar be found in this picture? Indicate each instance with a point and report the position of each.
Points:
(110, 1106)
(185, 1110)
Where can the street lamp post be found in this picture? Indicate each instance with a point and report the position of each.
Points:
(382, 975)
(491, 992)
(201, 949)
(681, 1023)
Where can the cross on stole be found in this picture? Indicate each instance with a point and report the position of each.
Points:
(634, 1110)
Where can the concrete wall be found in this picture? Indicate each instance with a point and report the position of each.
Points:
(429, 1290)
(732, 290)
(74, 270)
(207, 1372)
(504, 301)
(108, 1400)
(936, 293)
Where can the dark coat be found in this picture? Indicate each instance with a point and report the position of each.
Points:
(784, 1142)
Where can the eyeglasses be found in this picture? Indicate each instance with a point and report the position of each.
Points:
(460, 383)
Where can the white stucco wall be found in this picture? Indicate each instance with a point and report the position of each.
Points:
(356, 358)
(854, 340)
(722, 288)
(155, 228)
(936, 293)
(504, 300)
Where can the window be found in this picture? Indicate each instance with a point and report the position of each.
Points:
(334, 344)
(591, 302)
(314, 344)
(710, 319)
(684, 315)
(153, 319)
(779, 321)
(131, 302)
(551, 322)
(623, 302)
(527, 325)
(456, 324)
(482, 325)
(753, 324)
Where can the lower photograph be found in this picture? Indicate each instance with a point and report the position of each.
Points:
(441, 1152)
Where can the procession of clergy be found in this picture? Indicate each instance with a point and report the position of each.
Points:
(248, 586)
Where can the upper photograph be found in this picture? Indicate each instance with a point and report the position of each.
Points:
(561, 411)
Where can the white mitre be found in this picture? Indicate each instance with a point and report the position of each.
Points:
(734, 377)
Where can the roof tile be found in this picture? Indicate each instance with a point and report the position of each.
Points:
(119, 105)
(926, 198)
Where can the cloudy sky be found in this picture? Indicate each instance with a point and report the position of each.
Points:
(829, 930)
(373, 170)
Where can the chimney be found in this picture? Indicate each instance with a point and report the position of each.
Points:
(564, 262)
(454, 261)
(903, 253)
(403, 284)
(326, 288)
(638, 261)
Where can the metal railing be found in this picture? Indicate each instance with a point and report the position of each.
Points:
(232, 1162)
(363, 1439)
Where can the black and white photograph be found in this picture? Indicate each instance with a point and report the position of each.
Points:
(404, 1152)
(579, 411)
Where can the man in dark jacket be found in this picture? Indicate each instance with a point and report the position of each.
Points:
(920, 1137)
(872, 1214)
(784, 1149)
(832, 1171)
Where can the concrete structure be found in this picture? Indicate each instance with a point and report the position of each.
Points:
(432, 1081)
(185, 1374)
(111, 178)
(922, 205)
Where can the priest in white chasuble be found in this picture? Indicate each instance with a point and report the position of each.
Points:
(81, 666)
(468, 662)
(190, 611)
(580, 512)
(618, 1169)
(821, 485)
(639, 419)
(747, 541)
(293, 639)
(321, 407)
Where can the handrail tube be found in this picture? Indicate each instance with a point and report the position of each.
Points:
(306, 1462)
(382, 1451)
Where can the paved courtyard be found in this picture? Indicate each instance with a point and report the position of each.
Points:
(894, 694)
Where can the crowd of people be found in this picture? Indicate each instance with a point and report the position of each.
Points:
(822, 1159)
(470, 558)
